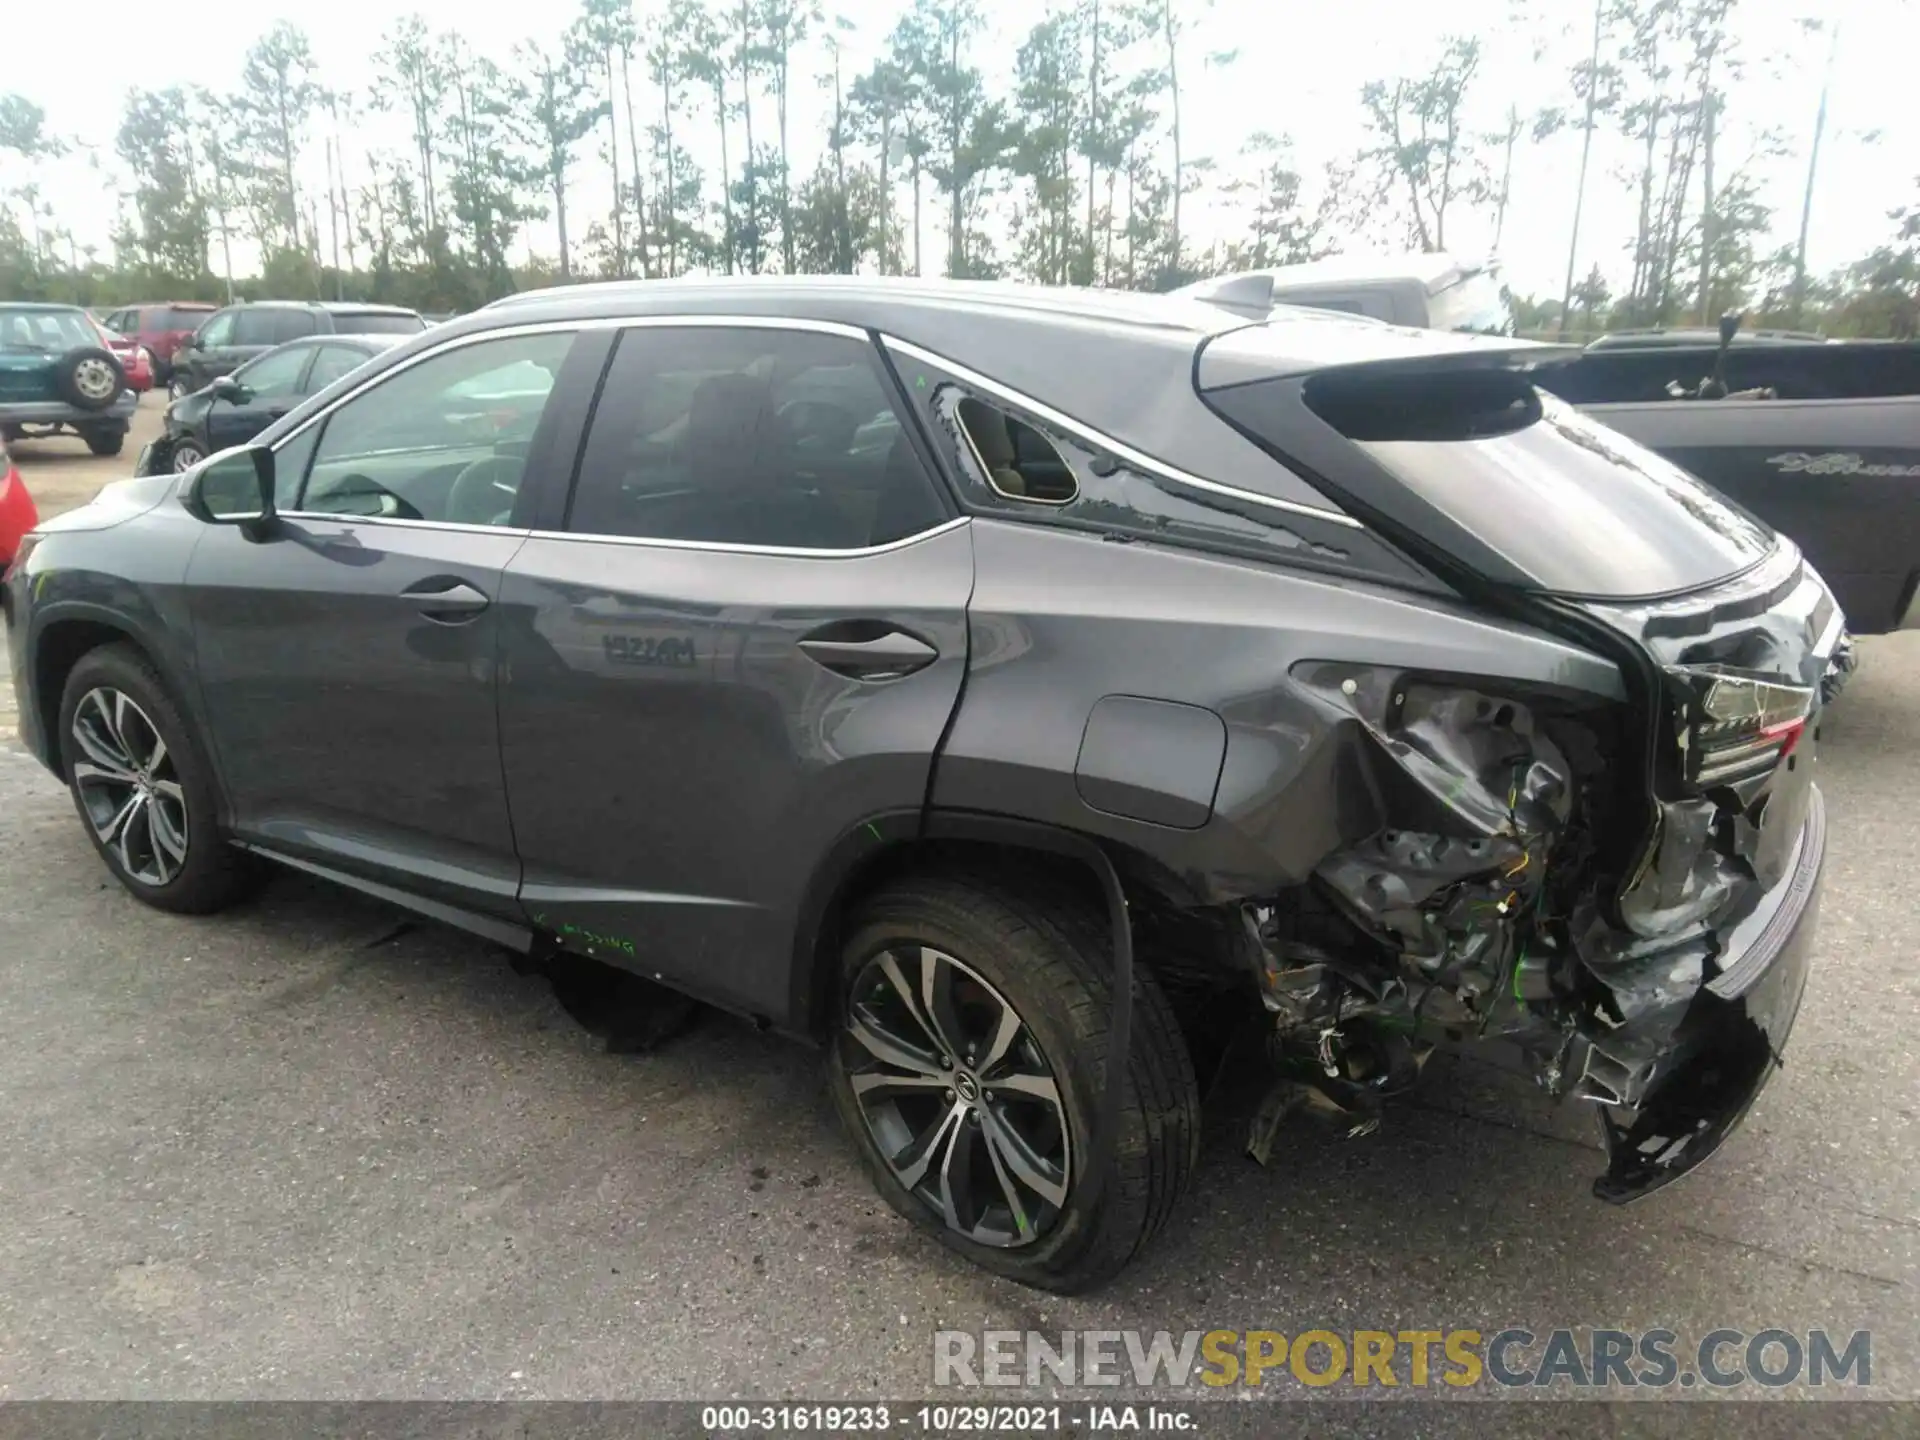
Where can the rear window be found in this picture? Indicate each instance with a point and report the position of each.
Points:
(376, 322)
(176, 317)
(1577, 506)
(27, 329)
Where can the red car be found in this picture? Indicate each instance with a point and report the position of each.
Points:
(17, 512)
(159, 329)
(133, 358)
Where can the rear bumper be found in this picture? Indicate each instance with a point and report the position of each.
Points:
(1733, 1036)
(59, 412)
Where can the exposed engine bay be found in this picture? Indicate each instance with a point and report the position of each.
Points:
(1530, 886)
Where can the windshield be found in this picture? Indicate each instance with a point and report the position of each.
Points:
(52, 330)
(1474, 305)
(377, 323)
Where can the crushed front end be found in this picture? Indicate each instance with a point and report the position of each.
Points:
(1626, 893)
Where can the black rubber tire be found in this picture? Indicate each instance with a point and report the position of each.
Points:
(66, 371)
(215, 874)
(1050, 953)
(102, 442)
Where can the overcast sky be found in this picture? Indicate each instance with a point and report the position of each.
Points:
(1299, 73)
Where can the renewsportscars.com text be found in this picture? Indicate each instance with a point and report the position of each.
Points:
(1581, 1359)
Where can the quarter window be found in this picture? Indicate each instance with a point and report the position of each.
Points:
(1017, 460)
(446, 439)
(747, 436)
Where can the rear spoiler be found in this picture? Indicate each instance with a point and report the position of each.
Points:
(1309, 342)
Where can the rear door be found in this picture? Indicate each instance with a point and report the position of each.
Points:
(743, 640)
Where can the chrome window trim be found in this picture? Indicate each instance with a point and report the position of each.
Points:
(548, 327)
(404, 524)
(794, 552)
(1089, 436)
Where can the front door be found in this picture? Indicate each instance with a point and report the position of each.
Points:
(271, 386)
(347, 659)
(747, 644)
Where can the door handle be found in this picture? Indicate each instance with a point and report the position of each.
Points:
(448, 601)
(883, 657)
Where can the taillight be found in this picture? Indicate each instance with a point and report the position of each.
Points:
(1742, 725)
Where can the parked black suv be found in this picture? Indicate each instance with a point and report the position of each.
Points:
(1017, 690)
(235, 335)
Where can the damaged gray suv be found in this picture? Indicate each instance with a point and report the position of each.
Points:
(1013, 690)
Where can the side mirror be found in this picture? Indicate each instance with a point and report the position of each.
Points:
(235, 487)
(230, 390)
(1730, 326)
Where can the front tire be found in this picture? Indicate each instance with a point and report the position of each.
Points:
(186, 454)
(969, 1062)
(142, 787)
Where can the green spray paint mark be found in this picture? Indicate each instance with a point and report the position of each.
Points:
(874, 830)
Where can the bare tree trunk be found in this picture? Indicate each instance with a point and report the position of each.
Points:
(1093, 129)
(1813, 170)
(886, 192)
(639, 189)
(1173, 89)
(726, 169)
(1586, 154)
(1706, 205)
(670, 208)
(746, 115)
(916, 216)
(786, 187)
(1506, 178)
(613, 161)
(333, 225)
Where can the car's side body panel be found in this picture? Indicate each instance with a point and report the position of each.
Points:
(1062, 622)
(677, 764)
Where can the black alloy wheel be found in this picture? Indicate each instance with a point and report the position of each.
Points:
(127, 784)
(957, 1096)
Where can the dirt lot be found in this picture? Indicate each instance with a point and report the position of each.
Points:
(314, 1149)
(60, 474)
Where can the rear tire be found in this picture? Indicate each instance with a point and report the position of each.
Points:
(143, 787)
(1043, 952)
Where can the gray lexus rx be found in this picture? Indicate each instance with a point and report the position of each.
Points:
(1016, 691)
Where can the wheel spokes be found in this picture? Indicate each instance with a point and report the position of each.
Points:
(883, 1085)
(127, 788)
(936, 994)
(956, 1178)
(1037, 1174)
(888, 1048)
(910, 1166)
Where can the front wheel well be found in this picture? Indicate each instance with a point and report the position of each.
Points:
(62, 645)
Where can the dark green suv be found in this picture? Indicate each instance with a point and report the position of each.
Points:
(56, 374)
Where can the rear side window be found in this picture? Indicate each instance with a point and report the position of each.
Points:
(750, 436)
(293, 325)
(256, 327)
(333, 362)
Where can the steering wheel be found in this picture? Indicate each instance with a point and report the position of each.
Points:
(484, 491)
